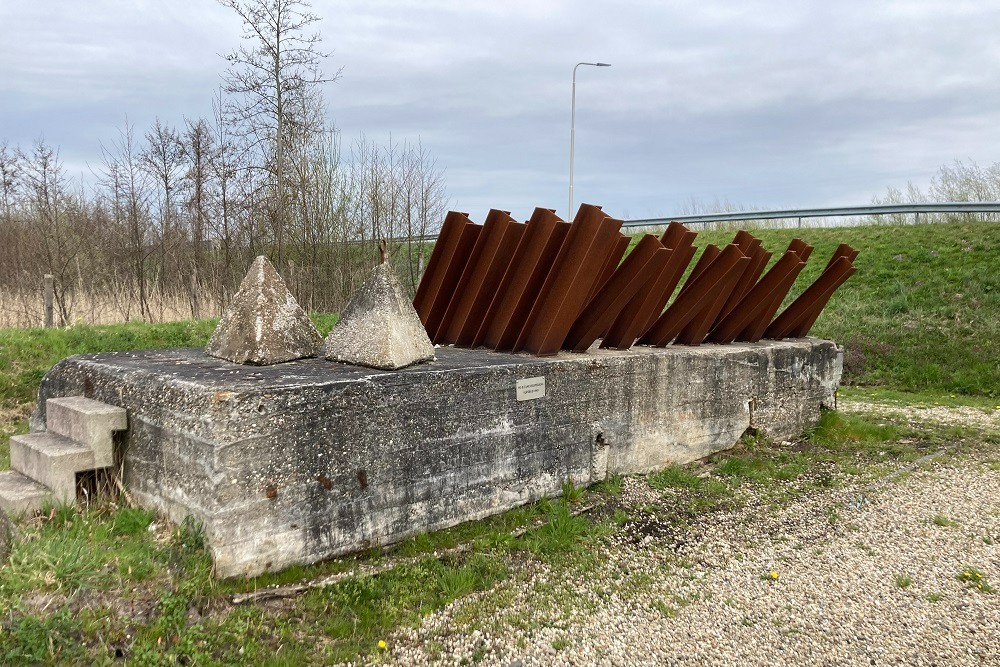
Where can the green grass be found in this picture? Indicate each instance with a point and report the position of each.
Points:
(26, 354)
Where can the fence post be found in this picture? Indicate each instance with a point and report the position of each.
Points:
(48, 289)
(916, 219)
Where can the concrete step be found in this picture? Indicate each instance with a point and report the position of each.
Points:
(21, 495)
(52, 460)
(88, 422)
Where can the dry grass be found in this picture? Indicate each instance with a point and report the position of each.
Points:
(25, 309)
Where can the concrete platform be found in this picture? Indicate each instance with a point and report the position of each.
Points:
(310, 459)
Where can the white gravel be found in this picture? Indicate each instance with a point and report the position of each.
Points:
(865, 576)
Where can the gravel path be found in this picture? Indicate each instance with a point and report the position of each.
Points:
(855, 575)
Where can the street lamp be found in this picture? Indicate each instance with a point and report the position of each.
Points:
(572, 131)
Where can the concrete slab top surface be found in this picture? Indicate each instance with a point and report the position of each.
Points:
(192, 365)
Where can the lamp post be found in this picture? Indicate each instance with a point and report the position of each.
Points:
(572, 134)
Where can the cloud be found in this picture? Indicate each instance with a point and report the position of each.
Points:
(760, 103)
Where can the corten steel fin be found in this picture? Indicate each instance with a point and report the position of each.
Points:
(755, 330)
(518, 290)
(824, 286)
(685, 253)
(708, 255)
(455, 268)
(590, 240)
(758, 260)
(479, 313)
(610, 264)
(689, 302)
(754, 303)
(638, 269)
(437, 266)
(802, 248)
(522, 263)
(674, 234)
(843, 250)
(744, 240)
(472, 276)
(696, 330)
(645, 307)
(810, 312)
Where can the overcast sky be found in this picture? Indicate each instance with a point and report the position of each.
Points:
(759, 103)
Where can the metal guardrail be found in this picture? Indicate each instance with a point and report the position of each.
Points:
(800, 213)
(835, 212)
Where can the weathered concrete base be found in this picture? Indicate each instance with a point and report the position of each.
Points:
(311, 459)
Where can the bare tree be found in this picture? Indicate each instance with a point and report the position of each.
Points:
(10, 172)
(276, 78)
(126, 187)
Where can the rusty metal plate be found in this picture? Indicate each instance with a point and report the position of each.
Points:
(691, 300)
(479, 313)
(818, 292)
(467, 289)
(590, 240)
(674, 235)
(754, 331)
(799, 317)
(708, 255)
(695, 331)
(757, 300)
(610, 264)
(453, 268)
(645, 307)
(518, 291)
(635, 273)
(437, 265)
(758, 260)
(801, 331)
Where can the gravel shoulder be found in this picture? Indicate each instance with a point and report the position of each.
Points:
(864, 573)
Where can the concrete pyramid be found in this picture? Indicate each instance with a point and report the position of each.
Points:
(264, 324)
(379, 327)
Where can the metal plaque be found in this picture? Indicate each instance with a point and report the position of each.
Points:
(530, 388)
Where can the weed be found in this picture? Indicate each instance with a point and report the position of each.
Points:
(571, 493)
(674, 476)
(52, 638)
(903, 580)
(974, 578)
(562, 532)
(934, 597)
(943, 521)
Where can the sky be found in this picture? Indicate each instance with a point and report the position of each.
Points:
(763, 104)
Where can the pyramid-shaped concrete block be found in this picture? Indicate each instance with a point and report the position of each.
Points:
(264, 324)
(379, 328)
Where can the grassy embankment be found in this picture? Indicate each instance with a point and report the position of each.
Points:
(111, 583)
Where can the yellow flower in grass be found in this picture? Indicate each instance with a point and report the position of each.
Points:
(774, 575)
(382, 645)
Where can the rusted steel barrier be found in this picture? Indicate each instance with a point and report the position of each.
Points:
(591, 238)
(645, 307)
(516, 294)
(533, 287)
(641, 265)
(444, 268)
